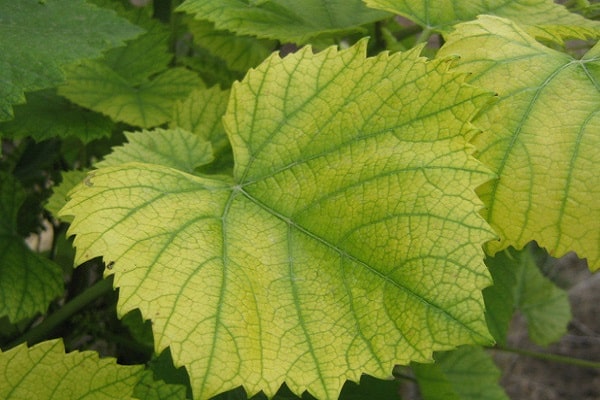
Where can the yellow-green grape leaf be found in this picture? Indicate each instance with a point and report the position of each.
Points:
(541, 137)
(98, 87)
(44, 371)
(38, 38)
(348, 240)
(467, 373)
(541, 18)
(28, 281)
(46, 115)
(175, 148)
(284, 20)
(239, 52)
(201, 113)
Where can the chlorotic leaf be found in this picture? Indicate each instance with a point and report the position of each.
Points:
(44, 371)
(28, 281)
(38, 38)
(541, 18)
(348, 240)
(540, 137)
(287, 21)
(176, 148)
(47, 115)
(467, 373)
(201, 113)
(98, 87)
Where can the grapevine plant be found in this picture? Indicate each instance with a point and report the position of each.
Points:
(278, 198)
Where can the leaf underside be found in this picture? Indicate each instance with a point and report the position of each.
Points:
(350, 230)
(541, 137)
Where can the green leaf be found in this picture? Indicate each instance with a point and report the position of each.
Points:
(28, 281)
(499, 298)
(38, 39)
(540, 137)
(47, 115)
(287, 21)
(60, 192)
(541, 18)
(133, 84)
(44, 371)
(201, 113)
(545, 306)
(239, 52)
(467, 373)
(149, 389)
(96, 86)
(175, 148)
(319, 249)
(371, 388)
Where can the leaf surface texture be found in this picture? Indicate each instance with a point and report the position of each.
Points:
(349, 231)
(540, 137)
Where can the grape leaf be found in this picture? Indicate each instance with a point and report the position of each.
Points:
(60, 192)
(133, 84)
(201, 113)
(545, 306)
(44, 371)
(467, 373)
(541, 137)
(239, 52)
(349, 231)
(284, 20)
(176, 148)
(96, 86)
(47, 115)
(37, 39)
(28, 281)
(543, 19)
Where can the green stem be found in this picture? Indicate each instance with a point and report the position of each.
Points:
(424, 36)
(39, 332)
(550, 357)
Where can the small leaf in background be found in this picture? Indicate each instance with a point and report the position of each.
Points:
(175, 148)
(239, 52)
(60, 192)
(371, 388)
(97, 87)
(467, 373)
(318, 257)
(149, 389)
(38, 38)
(540, 137)
(544, 305)
(543, 19)
(500, 297)
(284, 20)
(133, 84)
(44, 371)
(47, 115)
(202, 113)
(28, 281)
